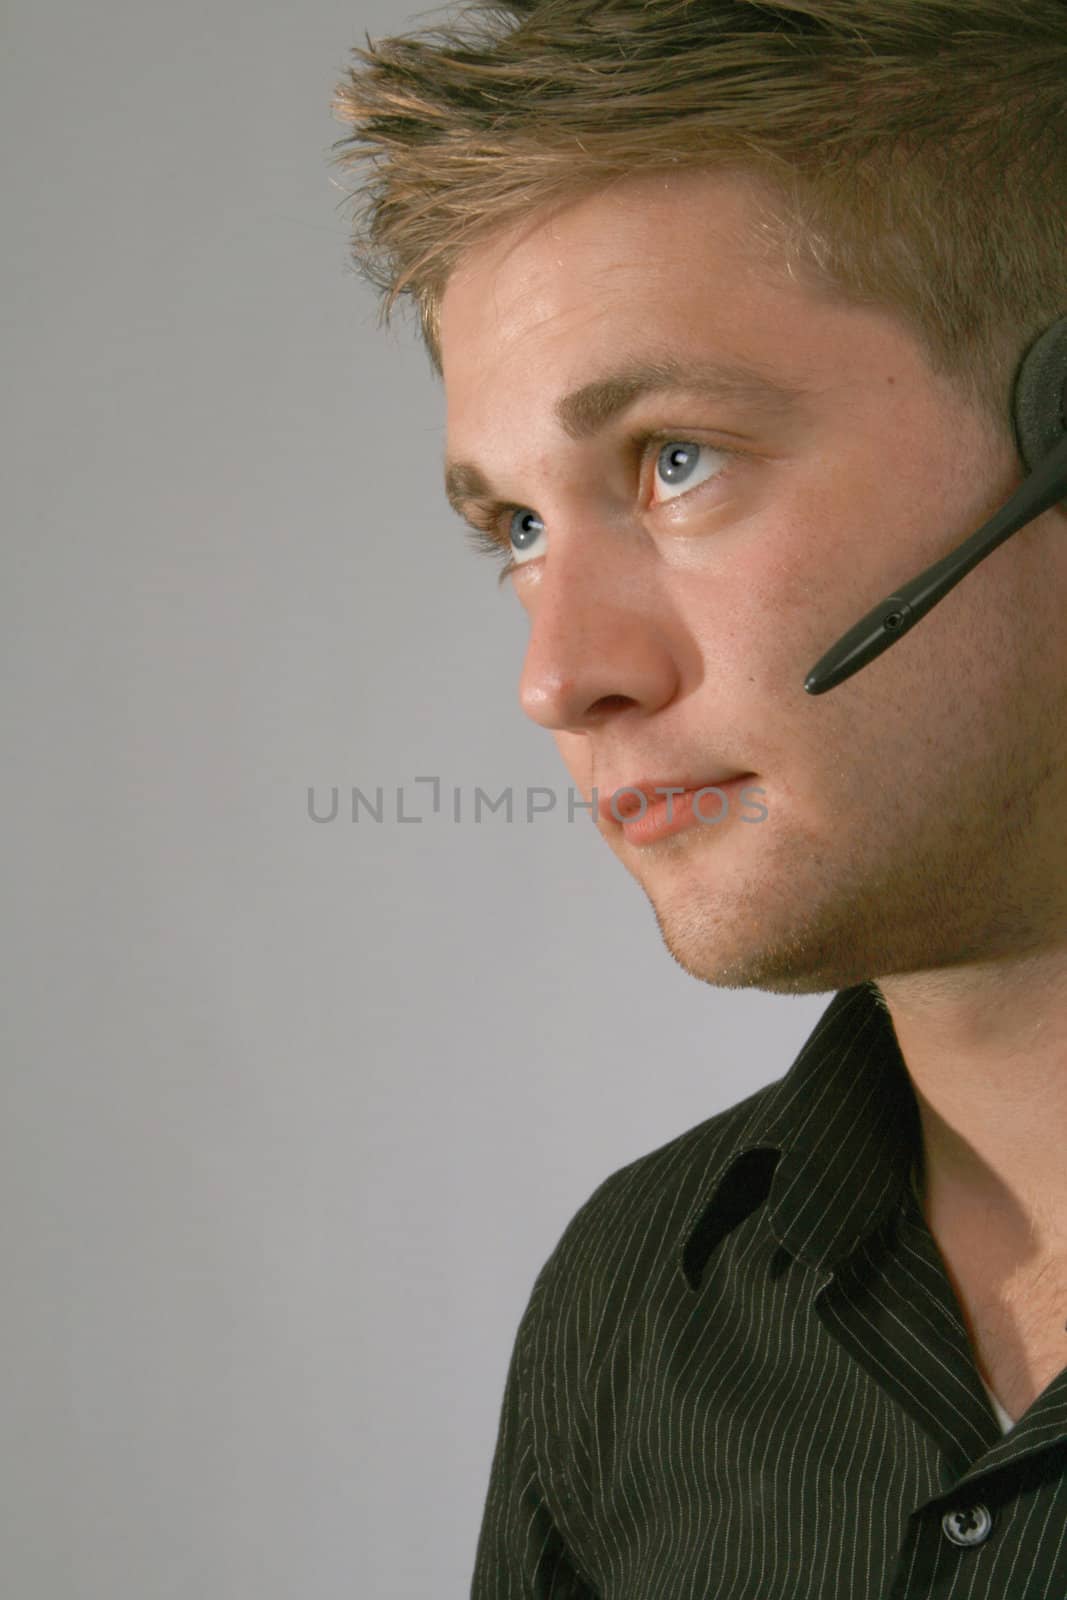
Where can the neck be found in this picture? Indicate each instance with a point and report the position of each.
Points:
(986, 1051)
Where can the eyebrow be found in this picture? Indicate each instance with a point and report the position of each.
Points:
(588, 410)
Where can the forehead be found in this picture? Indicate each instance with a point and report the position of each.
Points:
(677, 241)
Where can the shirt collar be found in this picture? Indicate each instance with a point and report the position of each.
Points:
(829, 1145)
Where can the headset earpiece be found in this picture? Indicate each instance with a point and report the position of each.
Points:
(1039, 404)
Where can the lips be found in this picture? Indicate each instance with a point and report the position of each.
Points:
(628, 803)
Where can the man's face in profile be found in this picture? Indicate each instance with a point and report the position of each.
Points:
(915, 815)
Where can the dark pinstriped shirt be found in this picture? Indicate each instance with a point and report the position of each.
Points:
(743, 1373)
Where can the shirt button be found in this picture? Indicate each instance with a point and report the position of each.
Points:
(967, 1527)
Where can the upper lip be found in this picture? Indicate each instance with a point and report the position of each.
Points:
(649, 786)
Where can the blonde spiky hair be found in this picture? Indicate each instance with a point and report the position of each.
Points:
(913, 152)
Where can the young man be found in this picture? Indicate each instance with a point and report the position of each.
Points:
(816, 1346)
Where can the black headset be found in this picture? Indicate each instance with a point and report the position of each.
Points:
(1039, 419)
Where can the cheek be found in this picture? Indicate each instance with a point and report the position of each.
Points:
(757, 616)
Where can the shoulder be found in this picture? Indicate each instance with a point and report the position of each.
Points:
(633, 1225)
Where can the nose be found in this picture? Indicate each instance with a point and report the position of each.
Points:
(596, 646)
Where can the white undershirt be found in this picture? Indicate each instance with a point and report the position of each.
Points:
(1006, 1422)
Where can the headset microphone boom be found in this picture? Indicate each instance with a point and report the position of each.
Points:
(1039, 417)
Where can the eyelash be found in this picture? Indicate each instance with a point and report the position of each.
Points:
(485, 535)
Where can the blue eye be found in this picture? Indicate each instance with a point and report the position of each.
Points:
(680, 458)
(513, 531)
(520, 534)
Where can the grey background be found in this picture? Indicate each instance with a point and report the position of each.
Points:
(292, 1113)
